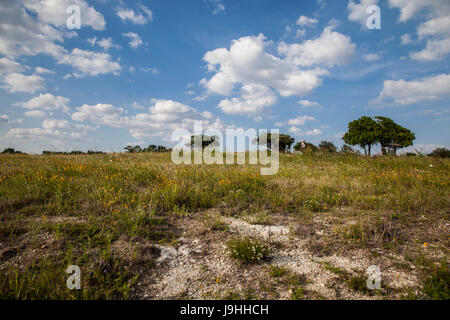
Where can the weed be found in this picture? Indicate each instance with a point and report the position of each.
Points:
(437, 284)
(277, 272)
(248, 250)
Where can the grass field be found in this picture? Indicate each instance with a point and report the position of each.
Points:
(140, 227)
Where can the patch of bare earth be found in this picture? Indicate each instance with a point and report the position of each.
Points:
(199, 267)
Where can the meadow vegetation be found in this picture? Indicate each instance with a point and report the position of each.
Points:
(58, 210)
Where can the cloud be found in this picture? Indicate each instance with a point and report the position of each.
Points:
(162, 118)
(142, 16)
(357, 11)
(99, 113)
(4, 119)
(89, 63)
(371, 57)
(218, 6)
(330, 49)
(436, 28)
(36, 114)
(52, 130)
(22, 34)
(10, 66)
(306, 22)
(136, 41)
(105, 43)
(406, 39)
(299, 132)
(17, 82)
(300, 33)
(149, 70)
(47, 102)
(40, 70)
(307, 103)
(54, 12)
(254, 98)
(246, 62)
(435, 50)
(422, 148)
(410, 8)
(300, 120)
(402, 92)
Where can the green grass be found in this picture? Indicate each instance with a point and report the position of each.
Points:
(248, 250)
(79, 206)
(437, 285)
(277, 272)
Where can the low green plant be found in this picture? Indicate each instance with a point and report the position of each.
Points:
(437, 285)
(277, 272)
(248, 250)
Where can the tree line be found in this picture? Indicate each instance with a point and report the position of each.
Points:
(150, 148)
(364, 132)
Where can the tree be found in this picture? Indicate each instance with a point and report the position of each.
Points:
(388, 132)
(327, 146)
(440, 153)
(11, 151)
(308, 147)
(151, 148)
(347, 149)
(161, 149)
(133, 149)
(285, 141)
(362, 132)
(203, 141)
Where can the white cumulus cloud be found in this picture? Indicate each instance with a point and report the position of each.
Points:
(402, 92)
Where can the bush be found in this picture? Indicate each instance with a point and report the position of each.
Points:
(247, 250)
(440, 153)
(437, 284)
(327, 146)
(11, 151)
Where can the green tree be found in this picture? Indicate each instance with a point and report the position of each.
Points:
(440, 153)
(285, 141)
(161, 149)
(308, 147)
(388, 132)
(9, 151)
(133, 149)
(151, 148)
(327, 146)
(203, 141)
(347, 149)
(362, 132)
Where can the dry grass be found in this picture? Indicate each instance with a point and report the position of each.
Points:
(86, 203)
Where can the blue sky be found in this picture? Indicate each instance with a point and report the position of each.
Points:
(137, 70)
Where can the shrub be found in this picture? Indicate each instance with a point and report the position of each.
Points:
(437, 284)
(276, 272)
(327, 146)
(440, 153)
(247, 250)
